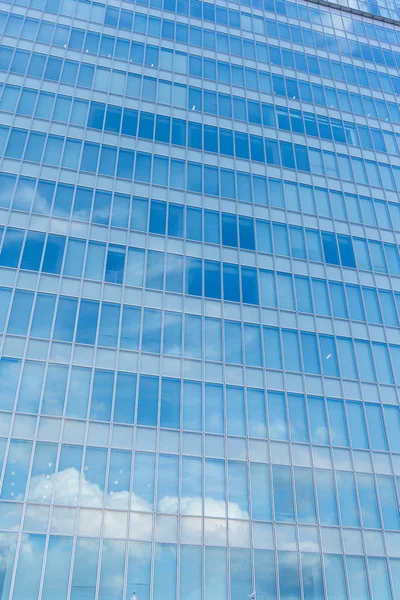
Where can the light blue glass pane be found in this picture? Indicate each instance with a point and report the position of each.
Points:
(265, 573)
(277, 416)
(368, 501)
(139, 568)
(112, 570)
(9, 375)
(20, 313)
(337, 422)
(214, 408)
(240, 568)
(283, 495)
(109, 325)
(235, 411)
(214, 490)
(379, 579)
(347, 499)
(312, 576)
(215, 567)
(233, 342)
(318, 422)
(170, 403)
(272, 349)
(358, 582)
(298, 419)
(192, 406)
(31, 387)
(305, 501)
(103, 384)
(55, 389)
(78, 393)
(191, 572)
(376, 427)
(326, 496)
(7, 552)
(334, 577)
(43, 316)
(395, 569)
(164, 572)
(389, 503)
(16, 471)
(357, 426)
(192, 477)
(56, 575)
(29, 566)
(213, 339)
(95, 465)
(148, 401)
(256, 413)
(260, 491)
(392, 416)
(289, 583)
(125, 395)
(85, 569)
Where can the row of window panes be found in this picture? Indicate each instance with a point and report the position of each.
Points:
(125, 568)
(95, 11)
(191, 64)
(65, 109)
(98, 115)
(155, 216)
(80, 392)
(122, 525)
(112, 161)
(223, 72)
(62, 35)
(121, 264)
(116, 263)
(193, 336)
(361, 501)
(100, 77)
(123, 19)
(278, 290)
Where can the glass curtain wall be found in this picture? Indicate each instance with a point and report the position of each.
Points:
(199, 300)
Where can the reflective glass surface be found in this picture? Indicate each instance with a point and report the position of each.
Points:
(199, 300)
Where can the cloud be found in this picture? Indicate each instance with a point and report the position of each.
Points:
(69, 486)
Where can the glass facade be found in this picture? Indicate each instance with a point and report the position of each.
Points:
(199, 300)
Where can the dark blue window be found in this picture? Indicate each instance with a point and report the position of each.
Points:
(33, 250)
(11, 249)
(231, 282)
(158, 213)
(115, 264)
(330, 248)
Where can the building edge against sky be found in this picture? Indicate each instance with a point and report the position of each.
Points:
(199, 300)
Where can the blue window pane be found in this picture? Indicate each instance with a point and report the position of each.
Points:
(9, 373)
(100, 408)
(43, 316)
(125, 394)
(87, 322)
(11, 249)
(115, 264)
(148, 401)
(170, 403)
(33, 250)
(54, 254)
(20, 313)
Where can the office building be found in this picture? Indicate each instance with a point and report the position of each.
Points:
(199, 300)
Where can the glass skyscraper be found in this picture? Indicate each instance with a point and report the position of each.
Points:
(199, 300)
